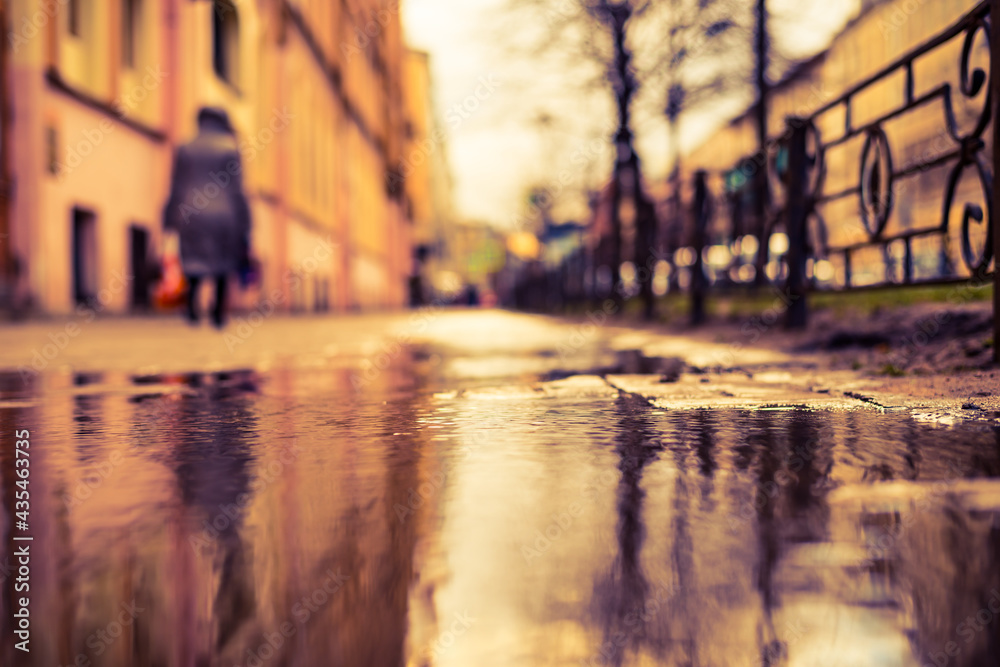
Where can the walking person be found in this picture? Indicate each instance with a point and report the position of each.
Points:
(209, 211)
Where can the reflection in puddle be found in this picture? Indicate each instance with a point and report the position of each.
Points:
(290, 519)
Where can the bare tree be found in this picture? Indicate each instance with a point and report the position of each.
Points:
(595, 37)
(691, 64)
(626, 182)
(595, 42)
(689, 52)
(692, 67)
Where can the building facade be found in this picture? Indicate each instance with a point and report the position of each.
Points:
(881, 32)
(101, 92)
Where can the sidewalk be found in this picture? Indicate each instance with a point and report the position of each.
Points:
(933, 357)
(892, 361)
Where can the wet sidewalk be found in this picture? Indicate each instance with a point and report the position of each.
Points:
(486, 488)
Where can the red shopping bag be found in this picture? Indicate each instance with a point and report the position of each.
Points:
(172, 288)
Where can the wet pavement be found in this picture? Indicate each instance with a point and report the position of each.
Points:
(481, 488)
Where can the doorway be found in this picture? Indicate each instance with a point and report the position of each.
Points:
(84, 257)
(140, 266)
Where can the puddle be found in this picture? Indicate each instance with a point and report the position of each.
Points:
(297, 517)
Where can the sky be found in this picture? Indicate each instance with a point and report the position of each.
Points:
(511, 126)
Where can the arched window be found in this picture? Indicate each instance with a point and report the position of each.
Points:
(225, 41)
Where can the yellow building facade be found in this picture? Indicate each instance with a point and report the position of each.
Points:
(882, 32)
(102, 91)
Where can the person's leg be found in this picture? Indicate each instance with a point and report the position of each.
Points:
(192, 297)
(219, 309)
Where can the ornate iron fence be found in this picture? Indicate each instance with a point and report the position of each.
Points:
(808, 240)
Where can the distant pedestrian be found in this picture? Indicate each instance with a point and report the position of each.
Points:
(209, 211)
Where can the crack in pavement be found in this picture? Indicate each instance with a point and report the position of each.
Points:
(865, 399)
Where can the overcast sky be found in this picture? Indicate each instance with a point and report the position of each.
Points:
(486, 101)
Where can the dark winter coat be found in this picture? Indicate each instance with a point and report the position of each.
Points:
(207, 206)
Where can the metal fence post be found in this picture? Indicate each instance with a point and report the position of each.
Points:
(796, 213)
(700, 212)
(994, 221)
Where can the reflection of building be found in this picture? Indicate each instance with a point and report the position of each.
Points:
(214, 538)
(102, 92)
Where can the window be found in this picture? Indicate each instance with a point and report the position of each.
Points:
(225, 36)
(130, 31)
(52, 149)
(74, 17)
